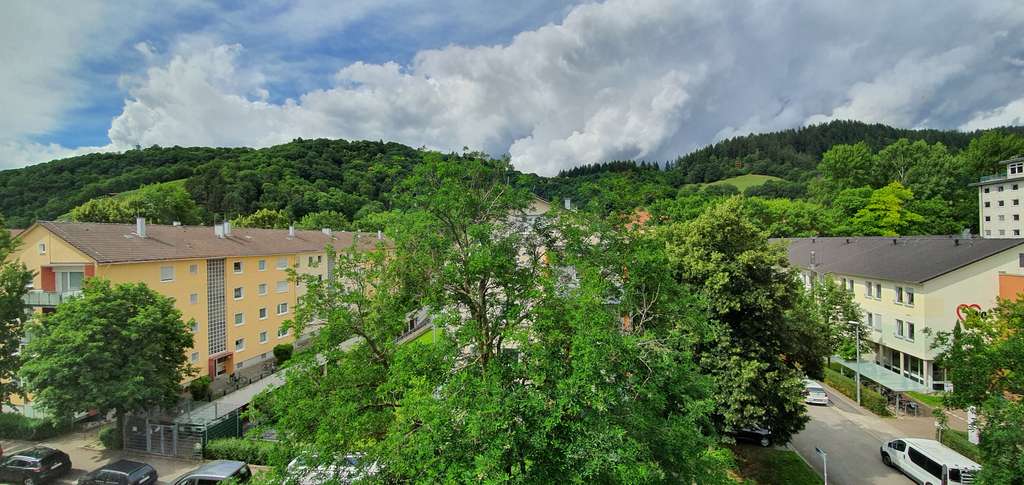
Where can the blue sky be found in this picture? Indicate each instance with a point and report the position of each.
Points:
(552, 83)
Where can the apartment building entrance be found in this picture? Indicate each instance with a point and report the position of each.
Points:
(221, 365)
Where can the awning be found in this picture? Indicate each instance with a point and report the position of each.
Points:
(884, 377)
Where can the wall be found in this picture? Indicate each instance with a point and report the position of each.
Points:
(996, 228)
(58, 252)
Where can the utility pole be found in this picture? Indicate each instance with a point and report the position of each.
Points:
(824, 462)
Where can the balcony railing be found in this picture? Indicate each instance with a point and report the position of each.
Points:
(987, 178)
(48, 298)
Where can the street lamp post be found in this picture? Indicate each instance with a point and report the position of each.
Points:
(856, 330)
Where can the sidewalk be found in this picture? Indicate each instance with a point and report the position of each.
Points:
(906, 426)
(88, 454)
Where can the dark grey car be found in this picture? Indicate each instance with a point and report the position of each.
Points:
(215, 472)
(34, 465)
(122, 472)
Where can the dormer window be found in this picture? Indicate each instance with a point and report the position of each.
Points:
(1016, 168)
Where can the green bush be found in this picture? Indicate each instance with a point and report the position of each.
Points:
(283, 352)
(871, 400)
(16, 426)
(253, 452)
(957, 441)
(200, 388)
(110, 438)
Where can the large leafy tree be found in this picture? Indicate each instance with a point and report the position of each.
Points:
(984, 359)
(753, 356)
(886, 213)
(532, 376)
(14, 279)
(118, 348)
(160, 203)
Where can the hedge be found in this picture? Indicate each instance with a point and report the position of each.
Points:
(110, 438)
(253, 452)
(871, 400)
(14, 426)
(957, 441)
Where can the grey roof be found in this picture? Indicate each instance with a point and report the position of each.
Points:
(118, 243)
(913, 259)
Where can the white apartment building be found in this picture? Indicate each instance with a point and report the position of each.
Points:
(1000, 198)
(909, 286)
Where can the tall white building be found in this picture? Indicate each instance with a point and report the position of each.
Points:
(999, 201)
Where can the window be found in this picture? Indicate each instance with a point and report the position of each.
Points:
(69, 281)
(1016, 232)
(193, 268)
(899, 328)
(195, 357)
(42, 248)
(910, 331)
(239, 344)
(261, 265)
(926, 464)
(1000, 189)
(1016, 168)
(310, 263)
(237, 266)
(878, 322)
(282, 286)
(986, 190)
(1002, 203)
(988, 204)
(868, 287)
(1002, 232)
(1016, 201)
(238, 293)
(878, 291)
(1014, 186)
(1021, 259)
(281, 332)
(1002, 217)
(239, 318)
(988, 218)
(167, 273)
(899, 294)
(1016, 217)
(282, 308)
(195, 326)
(263, 313)
(282, 263)
(849, 286)
(319, 259)
(262, 289)
(263, 337)
(193, 298)
(910, 296)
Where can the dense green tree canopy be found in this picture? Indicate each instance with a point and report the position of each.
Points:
(14, 280)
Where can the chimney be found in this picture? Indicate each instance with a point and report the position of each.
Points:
(291, 231)
(140, 226)
(218, 230)
(814, 259)
(380, 234)
(326, 230)
(568, 203)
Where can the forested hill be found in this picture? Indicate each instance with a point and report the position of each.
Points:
(340, 180)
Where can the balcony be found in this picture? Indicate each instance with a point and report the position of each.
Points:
(989, 178)
(39, 298)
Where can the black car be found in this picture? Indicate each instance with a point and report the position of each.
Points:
(123, 472)
(760, 436)
(34, 465)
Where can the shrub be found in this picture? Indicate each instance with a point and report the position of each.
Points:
(16, 426)
(283, 352)
(958, 442)
(871, 400)
(253, 452)
(111, 438)
(200, 388)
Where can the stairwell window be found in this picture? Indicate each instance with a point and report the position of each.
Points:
(166, 273)
(239, 319)
(237, 294)
(263, 313)
(899, 294)
(263, 337)
(237, 267)
(910, 331)
(239, 345)
(261, 265)
(193, 298)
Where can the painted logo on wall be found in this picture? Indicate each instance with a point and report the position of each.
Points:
(961, 310)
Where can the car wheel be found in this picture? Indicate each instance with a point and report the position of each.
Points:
(29, 481)
(765, 442)
(886, 460)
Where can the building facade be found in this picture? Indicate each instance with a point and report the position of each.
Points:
(234, 283)
(1000, 208)
(909, 288)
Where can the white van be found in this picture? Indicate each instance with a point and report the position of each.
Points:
(923, 461)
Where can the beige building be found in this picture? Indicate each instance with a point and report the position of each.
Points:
(911, 286)
(233, 282)
(999, 201)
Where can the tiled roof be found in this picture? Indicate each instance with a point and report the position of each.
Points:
(15, 232)
(907, 259)
(118, 243)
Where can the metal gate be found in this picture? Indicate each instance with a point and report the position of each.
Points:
(163, 439)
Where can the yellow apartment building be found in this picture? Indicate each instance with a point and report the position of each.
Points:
(232, 281)
(908, 286)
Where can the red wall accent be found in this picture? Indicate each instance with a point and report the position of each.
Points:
(49, 278)
(90, 271)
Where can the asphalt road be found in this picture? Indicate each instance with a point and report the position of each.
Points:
(851, 443)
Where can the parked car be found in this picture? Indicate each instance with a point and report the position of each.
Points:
(761, 436)
(122, 472)
(346, 469)
(34, 465)
(216, 471)
(814, 393)
(925, 460)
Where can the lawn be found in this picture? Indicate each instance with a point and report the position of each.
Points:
(931, 400)
(772, 466)
(742, 182)
(427, 337)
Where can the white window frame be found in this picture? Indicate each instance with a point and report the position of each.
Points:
(193, 268)
(278, 286)
(195, 326)
(911, 331)
(195, 357)
(263, 337)
(237, 347)
(898, 331)
(869, 288)
(166, 279)
(261, 289)
(878, 322)
(240, 291)
(237, 267)
(899, 294)
(283, 332)
(263, 313)
(41, 247)
(239, 321)
(282, 263)
(909, 296)
(261, 265)
(878, 291)
(193, 298)
(278, 309)
(1016, 168)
